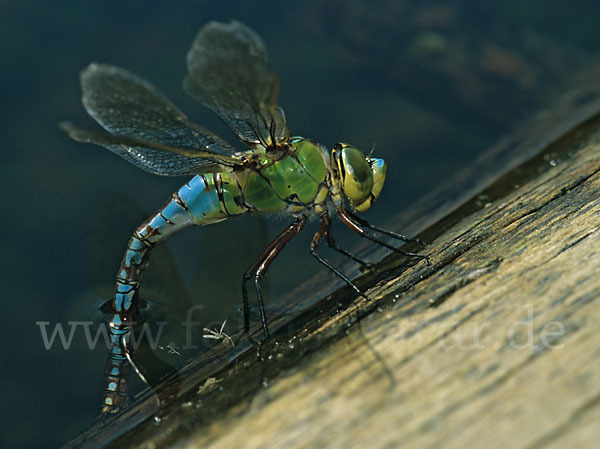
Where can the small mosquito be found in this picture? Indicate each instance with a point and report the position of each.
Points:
(219, 335)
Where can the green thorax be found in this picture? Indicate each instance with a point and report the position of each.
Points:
(290, 181)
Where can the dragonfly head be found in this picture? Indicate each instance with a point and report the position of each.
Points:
(361, 178)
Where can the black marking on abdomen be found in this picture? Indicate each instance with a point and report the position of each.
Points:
(218, 181)
(180, 202)
(141, 238)
(165, 218)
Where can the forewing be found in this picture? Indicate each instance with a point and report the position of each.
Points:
(150, 156)
(143, 126)
(228, 72)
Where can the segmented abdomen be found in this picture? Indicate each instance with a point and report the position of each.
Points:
(203, 200)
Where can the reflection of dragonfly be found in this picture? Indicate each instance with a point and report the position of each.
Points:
(228, 73)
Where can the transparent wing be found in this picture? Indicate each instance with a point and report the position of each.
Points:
(151, 156)
(144, 127)
(228, 72)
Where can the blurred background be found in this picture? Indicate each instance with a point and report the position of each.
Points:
(429, 85)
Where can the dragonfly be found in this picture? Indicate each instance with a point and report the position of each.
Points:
(274, 173)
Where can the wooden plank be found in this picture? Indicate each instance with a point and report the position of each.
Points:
(508, 357)
(493, 344)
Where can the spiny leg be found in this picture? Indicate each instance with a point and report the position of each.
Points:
(314, 245)
(259, 267)
(393, 234)
(355, 223)
(333, 245)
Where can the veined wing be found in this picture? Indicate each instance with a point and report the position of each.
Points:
(228, 72)
(144, 127)
(152, 156)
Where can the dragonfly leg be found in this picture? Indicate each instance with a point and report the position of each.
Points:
(259, 267)
(324, 228)
(356, 224)
(393, 234)
(333, 245)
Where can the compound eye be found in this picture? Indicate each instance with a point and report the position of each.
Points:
(357, 176)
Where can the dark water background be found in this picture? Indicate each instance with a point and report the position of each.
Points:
(429, 84)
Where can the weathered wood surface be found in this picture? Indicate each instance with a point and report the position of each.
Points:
(497, 345)
(493, 345)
